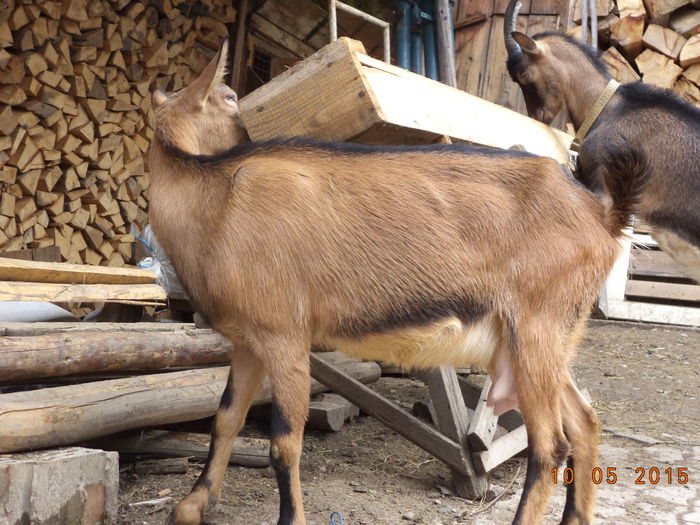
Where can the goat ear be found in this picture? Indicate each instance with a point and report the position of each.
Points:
(214, 73)
(527, 44)
(159, 96)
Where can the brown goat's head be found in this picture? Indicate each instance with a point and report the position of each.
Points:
(203, 118)
(533, 67)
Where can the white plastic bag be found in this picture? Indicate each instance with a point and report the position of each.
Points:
(158, 262)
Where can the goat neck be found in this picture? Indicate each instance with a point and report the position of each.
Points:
(583, 85)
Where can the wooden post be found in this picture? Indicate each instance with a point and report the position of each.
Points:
(453, 421)
(239, 45)
(445, 43)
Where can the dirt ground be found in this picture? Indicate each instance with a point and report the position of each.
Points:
(643, 380)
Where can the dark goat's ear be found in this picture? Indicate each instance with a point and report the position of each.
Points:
(527, 44)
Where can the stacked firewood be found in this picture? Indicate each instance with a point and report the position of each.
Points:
(75, 82)
(655, 41)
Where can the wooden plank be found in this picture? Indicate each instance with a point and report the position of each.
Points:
(390, 415)
(297, 17)
(654, 264)
(68, 414)
(497, 85)
(549, 7)
(280, 37)
(63, 293)
(471, 45)
(456, 114)
(46, 272)
(652, 290)
(653, 313)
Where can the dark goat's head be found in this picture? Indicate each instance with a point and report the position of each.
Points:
(532, 66)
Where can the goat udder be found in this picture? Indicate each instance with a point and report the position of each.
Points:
(503, 395)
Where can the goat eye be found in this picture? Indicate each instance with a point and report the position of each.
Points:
(232, 97)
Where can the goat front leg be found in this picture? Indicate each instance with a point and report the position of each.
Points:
(244, 382)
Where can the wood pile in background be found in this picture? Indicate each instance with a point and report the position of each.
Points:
(655, 41)
(75, 83)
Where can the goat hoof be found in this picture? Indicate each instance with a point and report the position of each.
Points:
(187, 514)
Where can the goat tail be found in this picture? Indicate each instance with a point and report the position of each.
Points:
(625, 172)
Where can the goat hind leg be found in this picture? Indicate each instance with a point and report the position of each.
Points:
(244, 382)
(538, 379)
(581, 428)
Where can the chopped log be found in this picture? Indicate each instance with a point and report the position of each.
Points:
(619, 68)
(656, 8)
(247, 452)
(693, 74)
(657, 69)
(68, 414)
(686, 21)
(628, 31)
(688, 90)
(665, 41)
(664, 77)
(56, 355)
(690, 54)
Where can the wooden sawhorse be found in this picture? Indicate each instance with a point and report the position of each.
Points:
(466, 444)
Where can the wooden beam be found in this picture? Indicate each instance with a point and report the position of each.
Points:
(33, 329)
(453, 421)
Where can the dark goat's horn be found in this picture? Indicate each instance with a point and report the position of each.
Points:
(509, 25)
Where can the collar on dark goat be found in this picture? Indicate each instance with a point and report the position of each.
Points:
(596, 109)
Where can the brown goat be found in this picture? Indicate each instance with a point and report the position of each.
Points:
(420, 256)
(643, 149)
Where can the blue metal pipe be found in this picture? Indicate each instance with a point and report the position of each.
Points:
(416, 40)
(429, 42)
(403, 34)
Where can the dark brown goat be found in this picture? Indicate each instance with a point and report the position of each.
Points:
(643, 149)
(420, 256)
